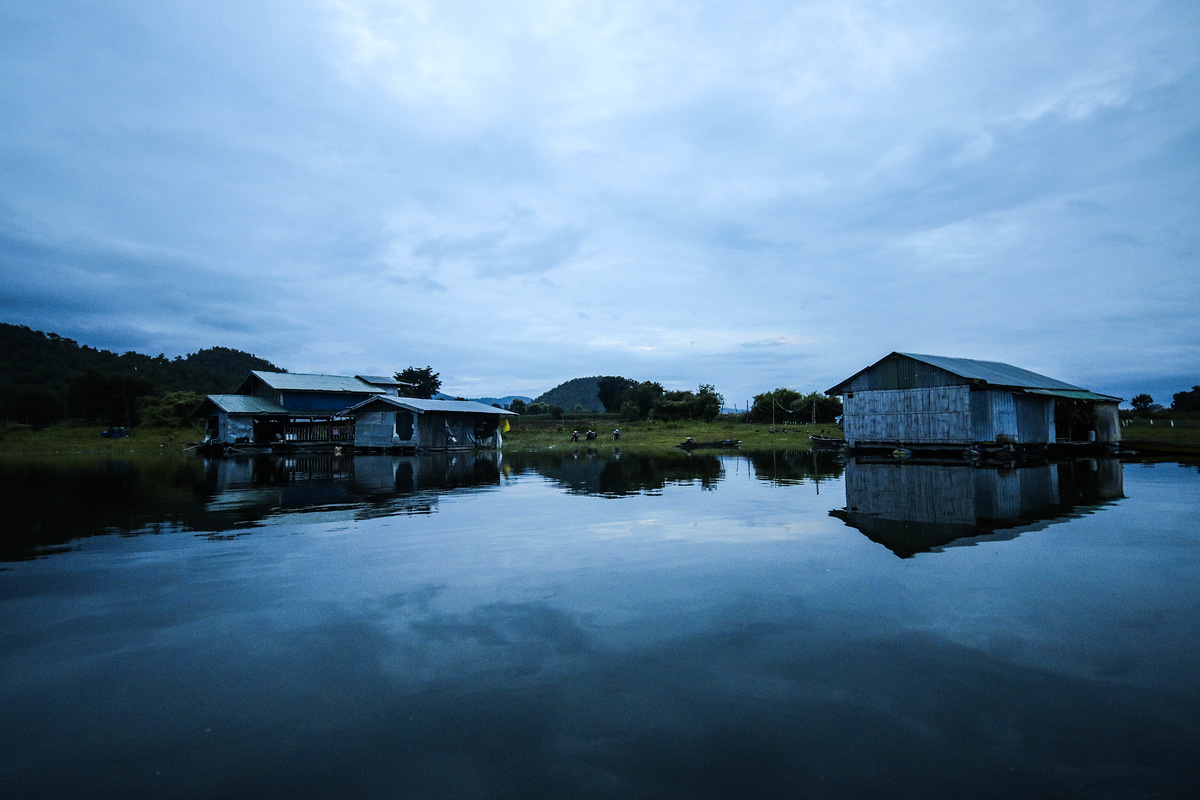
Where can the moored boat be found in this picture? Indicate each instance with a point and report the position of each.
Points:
(689, 444)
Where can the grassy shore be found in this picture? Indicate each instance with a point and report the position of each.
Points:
(532, 434)
(1163, 426)
(61, 440)
(528, 435)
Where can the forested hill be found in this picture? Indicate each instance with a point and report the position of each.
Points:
(575, 392)
(45, 377)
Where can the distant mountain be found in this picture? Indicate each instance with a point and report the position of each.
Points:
(575, 392)
(488, 401)
(504, 401)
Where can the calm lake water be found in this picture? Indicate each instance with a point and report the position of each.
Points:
(565, 626)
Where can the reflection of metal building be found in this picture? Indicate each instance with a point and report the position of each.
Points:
(913, 507)
(251, 487)
(909, 400)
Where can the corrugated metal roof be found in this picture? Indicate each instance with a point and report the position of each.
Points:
(299, 382)
(993, 372)
(1075, 394)
(421, 406)
(379, 380)
(245, 404)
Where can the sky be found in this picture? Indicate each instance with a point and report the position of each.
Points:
(750, 195)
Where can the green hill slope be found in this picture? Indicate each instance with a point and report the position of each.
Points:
(575, 392)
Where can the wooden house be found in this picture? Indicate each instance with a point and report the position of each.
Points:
(271, 409)
(906, 400)
(409, 423)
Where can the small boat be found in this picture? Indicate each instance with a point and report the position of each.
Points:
(688, 444)
(828, 442)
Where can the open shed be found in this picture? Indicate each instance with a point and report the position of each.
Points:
(410, 423)
(241, 419)
(911, 400)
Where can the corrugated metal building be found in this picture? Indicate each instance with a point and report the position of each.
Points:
(912, 400)
(285, 408)
(409, 423)
(240, 419)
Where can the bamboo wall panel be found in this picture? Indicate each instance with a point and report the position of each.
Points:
(936, 414)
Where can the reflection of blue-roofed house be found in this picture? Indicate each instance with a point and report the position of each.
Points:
(410, 423)
(281, 409)
(922, 401)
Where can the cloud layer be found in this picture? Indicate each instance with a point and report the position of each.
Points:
(767, 196)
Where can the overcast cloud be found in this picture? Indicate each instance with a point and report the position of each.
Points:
(755, 195)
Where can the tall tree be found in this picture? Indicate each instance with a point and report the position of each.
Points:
(1186, 401)
(419, 382)
(613, 390)
(1142, 402)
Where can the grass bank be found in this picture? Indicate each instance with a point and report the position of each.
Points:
(85, 440)
(532, 434)
(1169, 427)
(527, 435)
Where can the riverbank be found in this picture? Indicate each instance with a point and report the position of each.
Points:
(528, 435)
(85, 440)
(537, 435)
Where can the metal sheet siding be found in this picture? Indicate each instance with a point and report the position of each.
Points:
(374, 429)
(1035, 419)
(325, 402)
(993, 414)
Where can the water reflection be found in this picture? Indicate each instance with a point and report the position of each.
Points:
(51, 503)
(585, 471)
(908, 507)
(246, 491)
(548, 628)
(920, 507)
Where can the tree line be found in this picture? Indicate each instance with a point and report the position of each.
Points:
(1180, 401)
(47, 378)
(634, 400)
